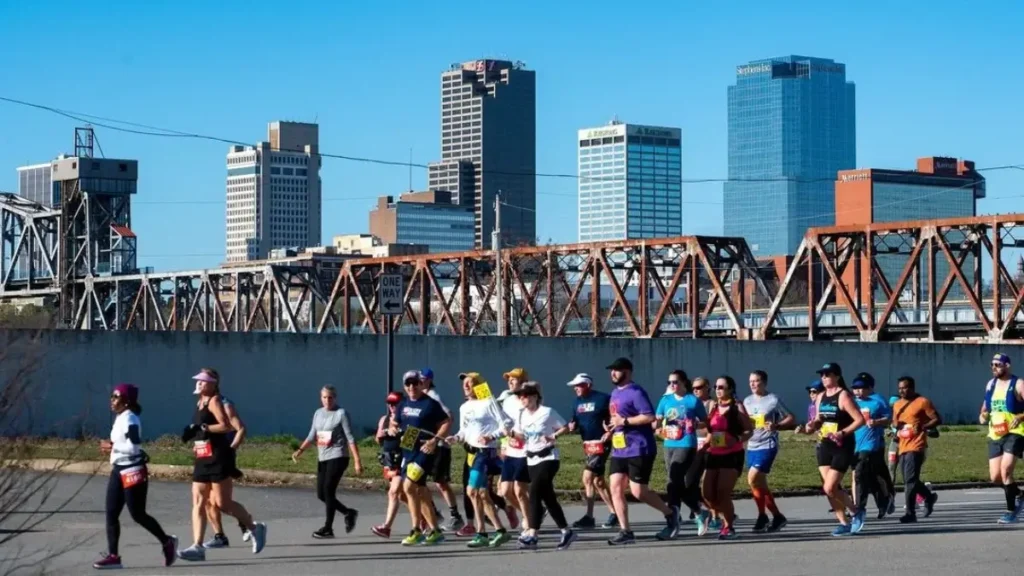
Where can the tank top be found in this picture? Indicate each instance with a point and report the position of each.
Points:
(723, 439)
(835, 418)
(1002, 406)
(389, 443)
(218, 443)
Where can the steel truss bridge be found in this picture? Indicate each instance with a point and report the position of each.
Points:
(915, 280)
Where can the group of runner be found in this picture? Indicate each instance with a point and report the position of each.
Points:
(512, 455)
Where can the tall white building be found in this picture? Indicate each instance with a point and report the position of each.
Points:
(274, 193)
(630, 182)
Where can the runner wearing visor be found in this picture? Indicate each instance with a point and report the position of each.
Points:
(1003, 411)
(590, 415)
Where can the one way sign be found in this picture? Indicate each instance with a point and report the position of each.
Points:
(392, 290)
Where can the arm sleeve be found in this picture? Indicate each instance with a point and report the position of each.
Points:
(346, 428)
(312, 430)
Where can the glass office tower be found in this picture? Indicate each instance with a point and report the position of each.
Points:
(791, 129)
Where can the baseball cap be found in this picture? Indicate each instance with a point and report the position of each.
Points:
(127, 391)
(393, 398)
(427, 373)
(530, 388)
(830, 368)
(1002, 359)
(474, 375)
(863, 380)
(581, 379)
(519, 373)
(411, 375)
(816, 386)
(620, 364)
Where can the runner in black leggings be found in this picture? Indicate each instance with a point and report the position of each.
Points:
(128, 484)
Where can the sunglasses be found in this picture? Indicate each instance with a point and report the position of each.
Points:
(115, 396)
(411, 383)
(699, 387)
(721, 387)
(673, 382)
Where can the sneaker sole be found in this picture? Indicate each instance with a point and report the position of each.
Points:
(622, 543)
(117, 567)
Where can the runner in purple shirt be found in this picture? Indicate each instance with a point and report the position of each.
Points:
(633, 453)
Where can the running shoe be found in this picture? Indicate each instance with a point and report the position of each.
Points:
(434, 538)
(727, 533)
(415, 538)
(528, 543)
(218, 541)
(611, 522)
(841, 530)
(857, 523)
(908, 519)
(702, 521)
(622, 538)
(382, 531)
(170, 550)
(778, 523)
(584, 523)
(883, 507)
(568, 537)
(929, 504)
(1008, 518)
(350, 520)
(193, 553)
(762, 523)
(513, 519)
(479, 541)
(108, 562)
(466, 531)
(671, 529)
(499, 538)
(259, 537)
(246, 536)
(454, 523)
(715, 524)
(1019, 507)
(323, 533)
(892, 506)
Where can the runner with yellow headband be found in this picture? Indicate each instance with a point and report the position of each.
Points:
(1003, 411)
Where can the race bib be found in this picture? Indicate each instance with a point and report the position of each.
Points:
(133, 476)
(1000, 427)
(414, 472)
(906, 432)
(673, 432)
(593, 448)
(409, 438)
(619, 440)
(829, 428)
(866, 414)
(323, 438)
(718, 440)
(482, 391)
(758, 420)
(202, 449)
(701, 441)
(688, 426)
(892, 456)
(470, 458)
(515, 443)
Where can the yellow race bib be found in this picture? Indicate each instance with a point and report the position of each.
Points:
(829, 428)
(758, 420)
(619, 440)
(470, 458)
(414, 472)
(718, 440)
(482, 391)
(409, 438)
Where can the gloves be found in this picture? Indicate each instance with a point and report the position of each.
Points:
(189, 432)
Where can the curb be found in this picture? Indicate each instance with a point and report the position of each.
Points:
(175, 473)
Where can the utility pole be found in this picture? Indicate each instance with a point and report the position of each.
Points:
(498, 276)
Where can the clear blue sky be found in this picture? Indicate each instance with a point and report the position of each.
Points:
(933, 78)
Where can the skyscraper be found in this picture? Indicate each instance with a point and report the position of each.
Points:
(489, 119)
(630, 182)
(273, 192)
(791, 129)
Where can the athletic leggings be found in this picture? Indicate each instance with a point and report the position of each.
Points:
(499, 502)
(542, 494)
(684, 474)
(135, 498)
(328, 476)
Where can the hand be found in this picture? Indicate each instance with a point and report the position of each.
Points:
(572, 426)
(983, 417)
(869, 422)
(296, 454)
(799, 429)
(451, 440)
(1015, 422)
(606, 437)
(429, 446)
(551, 439)
(618, 421)
(359, 468)
(106, 446)
(485, 440)
(769, 426)
(607, 426)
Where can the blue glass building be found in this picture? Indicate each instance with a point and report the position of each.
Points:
(792, 127)
(630, 182)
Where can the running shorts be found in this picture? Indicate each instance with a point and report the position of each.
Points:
(732, 461)
(838, 458)
(482, 465)
(637, 468)
(442, 471)
(514, 470)
(762, 459)
(416, 467)
(1009, 444)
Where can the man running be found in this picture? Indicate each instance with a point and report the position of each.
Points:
(589, 416)
(870, 472)
(515, 473)
(634, 451)
(768, 415)
(914, 415)
(1003, 411)
(442, 472)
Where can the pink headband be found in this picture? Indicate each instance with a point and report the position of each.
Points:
(204, 377)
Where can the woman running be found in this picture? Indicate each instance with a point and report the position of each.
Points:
(838, 417)
(481, 422)
(729, 427)
(538, 427)
(332, 434)
(129, 478)
(769, 415)
(390, 458)
(679, 415)
(214, 467)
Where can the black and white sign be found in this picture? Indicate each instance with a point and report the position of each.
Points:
(392, 290)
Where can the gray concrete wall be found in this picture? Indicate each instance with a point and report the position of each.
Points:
(275, 378)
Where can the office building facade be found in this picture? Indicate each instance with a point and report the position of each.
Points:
(488, 120)
(630, 182)
(791, 128)
(274, 193)
(429, 218)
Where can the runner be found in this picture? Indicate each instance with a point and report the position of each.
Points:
(129, 478)
(213, 514)
(769, 415)
(729, 427)
(332, 434)
(915, 418)
(869, 476)
(679, 415)
(837, 419)
(538, 427)
(423, 422)
(634, 451)
(214, 467)
(442, 472)
(702, 390)
(1003, 411)
(515, 474)
(481, 424)
(390, 458)
(589, 416)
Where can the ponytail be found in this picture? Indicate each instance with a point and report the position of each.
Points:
(136, 408)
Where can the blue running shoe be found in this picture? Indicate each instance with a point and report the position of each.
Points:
(1008, 518)
(857, 523)
(715, 524)
(702, 522)
(841, 530)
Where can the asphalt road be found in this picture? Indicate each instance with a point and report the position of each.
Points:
(962, 537)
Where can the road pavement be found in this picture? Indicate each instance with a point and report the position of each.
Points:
(961, 537)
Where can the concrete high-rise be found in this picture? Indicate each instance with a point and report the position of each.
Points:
(791, 129)
(630, 182)
(273, 193)
(488, 145)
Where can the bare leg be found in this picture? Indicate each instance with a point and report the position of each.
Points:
(200, 496)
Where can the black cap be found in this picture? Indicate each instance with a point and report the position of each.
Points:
(830, 368)
(863, 380)
(620, 364)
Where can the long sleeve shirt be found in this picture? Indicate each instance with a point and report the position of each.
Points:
(482, 418)
(331, 432)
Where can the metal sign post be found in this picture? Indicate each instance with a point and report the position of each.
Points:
(391, 293)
